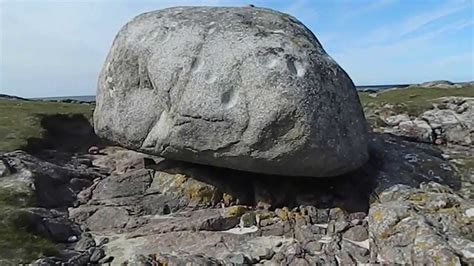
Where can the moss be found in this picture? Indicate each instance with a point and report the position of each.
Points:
(20, 120)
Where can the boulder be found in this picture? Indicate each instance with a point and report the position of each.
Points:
(454, 119)
(244, 88)
(416, 129)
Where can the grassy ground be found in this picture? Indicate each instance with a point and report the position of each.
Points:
(20, 120)
(414, 100)
(17, 244)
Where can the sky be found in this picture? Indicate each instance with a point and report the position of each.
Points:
(57, 48)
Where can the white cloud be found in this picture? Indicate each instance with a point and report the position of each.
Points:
(418, 21)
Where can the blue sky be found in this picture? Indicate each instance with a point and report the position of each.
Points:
(56, 48)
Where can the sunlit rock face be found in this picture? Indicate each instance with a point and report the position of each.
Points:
(243, 88)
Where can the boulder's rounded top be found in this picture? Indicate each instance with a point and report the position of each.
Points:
(239, 87)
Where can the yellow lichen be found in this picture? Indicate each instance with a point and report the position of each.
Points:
(284, 214)
(264, 214)
(419, 197)
(423, 245)
(378, 216)
(227, 198)
(203, 194)
(180, 180)
(236, 211)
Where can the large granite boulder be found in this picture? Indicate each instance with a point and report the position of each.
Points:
(244, 88)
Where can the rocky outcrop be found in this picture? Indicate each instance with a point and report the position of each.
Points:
(137, 208)
(243, 88)
(444, 84)
(425, 225)
(450, 121)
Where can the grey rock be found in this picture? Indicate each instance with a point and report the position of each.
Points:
(51, 182)
(358, 253)
(80, 259)
(108, 218)
(356, 233)
(337, 214)
(133, 183)
(96, 254)
(395, 120)
(445, 84)
(107, 259)
(246, 88)
(414, 225)
(409, 163)
(248, 219)
(4, 169)
(237, 259)
(85, 243)
(49, 223)
(416, 129)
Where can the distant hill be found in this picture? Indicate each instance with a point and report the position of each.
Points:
(11, 97)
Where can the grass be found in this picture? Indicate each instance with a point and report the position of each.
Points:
(412, 101)
(20, 120)
(17, 243)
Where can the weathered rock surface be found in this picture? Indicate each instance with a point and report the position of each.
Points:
(450, 121)
(143, 209)
(242, 88)
(425, 225)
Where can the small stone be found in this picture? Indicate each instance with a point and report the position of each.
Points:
(96, 254)
(237, 259)
(248, 219)
(85, 242)
(262, 253)
(314, 247)
(319, 229)
(283, 214)
(81, 259)
(103, 241)
(105, 260)
(337, 214)
(470, 212)
(93, 150)
(278, 257)
(236, 210)
(72, 239)
(356, 233)
(340, 226)
(357, 215)
(4, 171)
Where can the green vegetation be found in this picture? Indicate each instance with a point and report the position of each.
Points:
(17, 244)
(412, 101)
(20, 120)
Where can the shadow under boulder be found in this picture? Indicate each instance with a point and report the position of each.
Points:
(64, 133)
